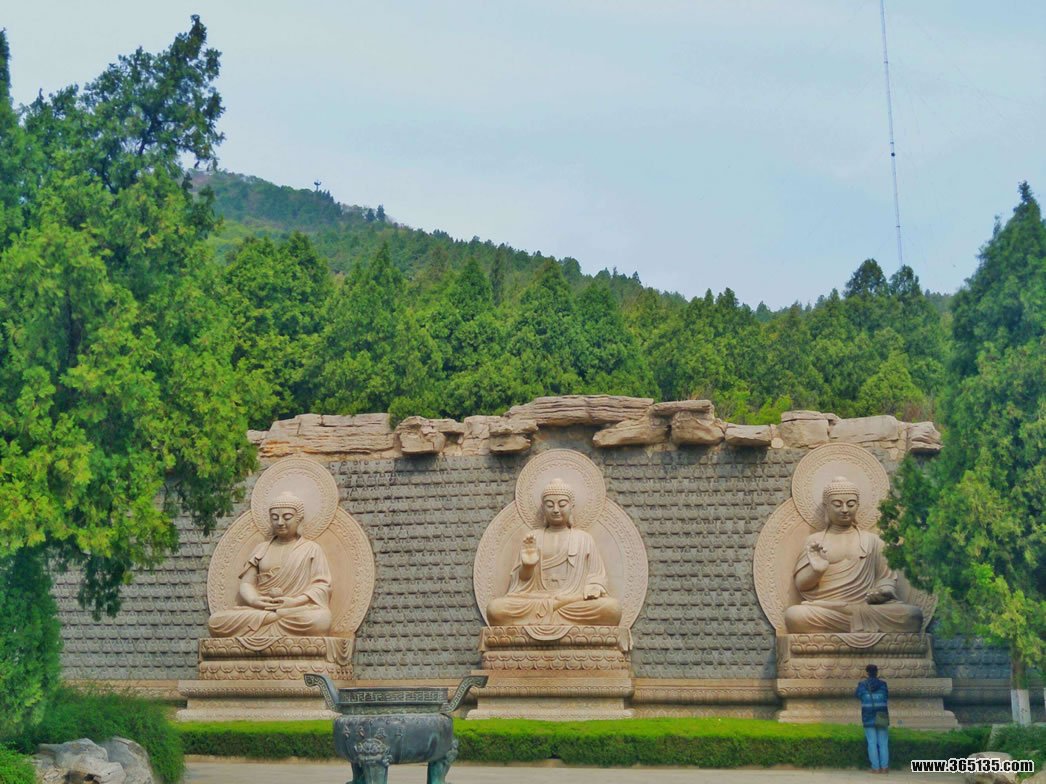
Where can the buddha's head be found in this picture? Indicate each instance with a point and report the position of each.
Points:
(286, 513)
(557, 504)
(841, 499)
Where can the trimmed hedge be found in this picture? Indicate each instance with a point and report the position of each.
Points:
(259, 739)
(99, 715)
(15, 768)
(709, 743)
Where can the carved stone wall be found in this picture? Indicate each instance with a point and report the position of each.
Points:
(425, 493)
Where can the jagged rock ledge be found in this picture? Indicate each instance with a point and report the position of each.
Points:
(618, 422)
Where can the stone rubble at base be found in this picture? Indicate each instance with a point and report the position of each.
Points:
(114, 761)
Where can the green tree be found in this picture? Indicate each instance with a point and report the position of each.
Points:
(890, 390)
(275, 294)
(611, 362)
(843, 354)
(119, 403)
(471, 341)
(546, 340)
(867, 296)
(13, 153)
(971, 526)
(497, 275)
(790, 365)
(29, 643)
(920, 325)
(374, 354)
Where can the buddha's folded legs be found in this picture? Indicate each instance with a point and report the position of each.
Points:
(249, 622)
(520, 610)
(888, 617)
(605, 611)
(517, 610)
(813, 618)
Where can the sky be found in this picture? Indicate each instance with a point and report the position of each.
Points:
(702, 143)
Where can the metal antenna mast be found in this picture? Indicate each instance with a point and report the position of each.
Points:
(889, 116)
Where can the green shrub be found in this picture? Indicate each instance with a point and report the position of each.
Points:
(1021, 742)
(716, 743)
(99, 715)
(29, 641)
(15, 768)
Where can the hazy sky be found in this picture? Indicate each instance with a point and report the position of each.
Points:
(703, 143)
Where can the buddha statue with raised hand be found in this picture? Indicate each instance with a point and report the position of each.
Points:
(843, 576)
(559, 578)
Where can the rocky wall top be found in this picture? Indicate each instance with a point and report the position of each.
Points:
(620, 422)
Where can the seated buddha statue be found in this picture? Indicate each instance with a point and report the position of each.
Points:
(559, 578)
(285, 585)
(843, 576)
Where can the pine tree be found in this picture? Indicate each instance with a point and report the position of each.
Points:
(611, 362)
(971, 527)
(275, 295)
(545, 338)
(373, 354)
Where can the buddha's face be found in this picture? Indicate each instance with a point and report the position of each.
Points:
(558, 509)
(285, 521)
(842, 509)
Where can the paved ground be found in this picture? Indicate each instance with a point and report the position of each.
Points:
(332, 773)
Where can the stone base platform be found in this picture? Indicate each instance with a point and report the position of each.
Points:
(565, 673)
(250, 678)
(818, 673)
(742, 698)
(245, 701)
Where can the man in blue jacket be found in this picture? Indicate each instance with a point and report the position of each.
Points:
(875, 717)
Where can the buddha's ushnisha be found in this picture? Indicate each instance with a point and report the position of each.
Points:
(559, 578)
(843, 577)
(285, 585)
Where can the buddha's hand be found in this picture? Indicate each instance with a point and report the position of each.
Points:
(817, 556)
(879, 596)
(529, 553)
(290, 602)
(594, 592)
(266, 603)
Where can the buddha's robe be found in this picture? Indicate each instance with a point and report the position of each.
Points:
(304, 572)
(569, 565)
(837, 603)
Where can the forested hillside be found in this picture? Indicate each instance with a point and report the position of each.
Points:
(341, 309)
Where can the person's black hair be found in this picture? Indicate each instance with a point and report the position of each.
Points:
(872, 670)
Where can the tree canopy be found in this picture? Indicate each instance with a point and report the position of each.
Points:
(971, 525)
(119, 401)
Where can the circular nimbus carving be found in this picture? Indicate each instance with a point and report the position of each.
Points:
(825, 463)
(348, 553)
(777, 549)
(305, 478)
(572, 467)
